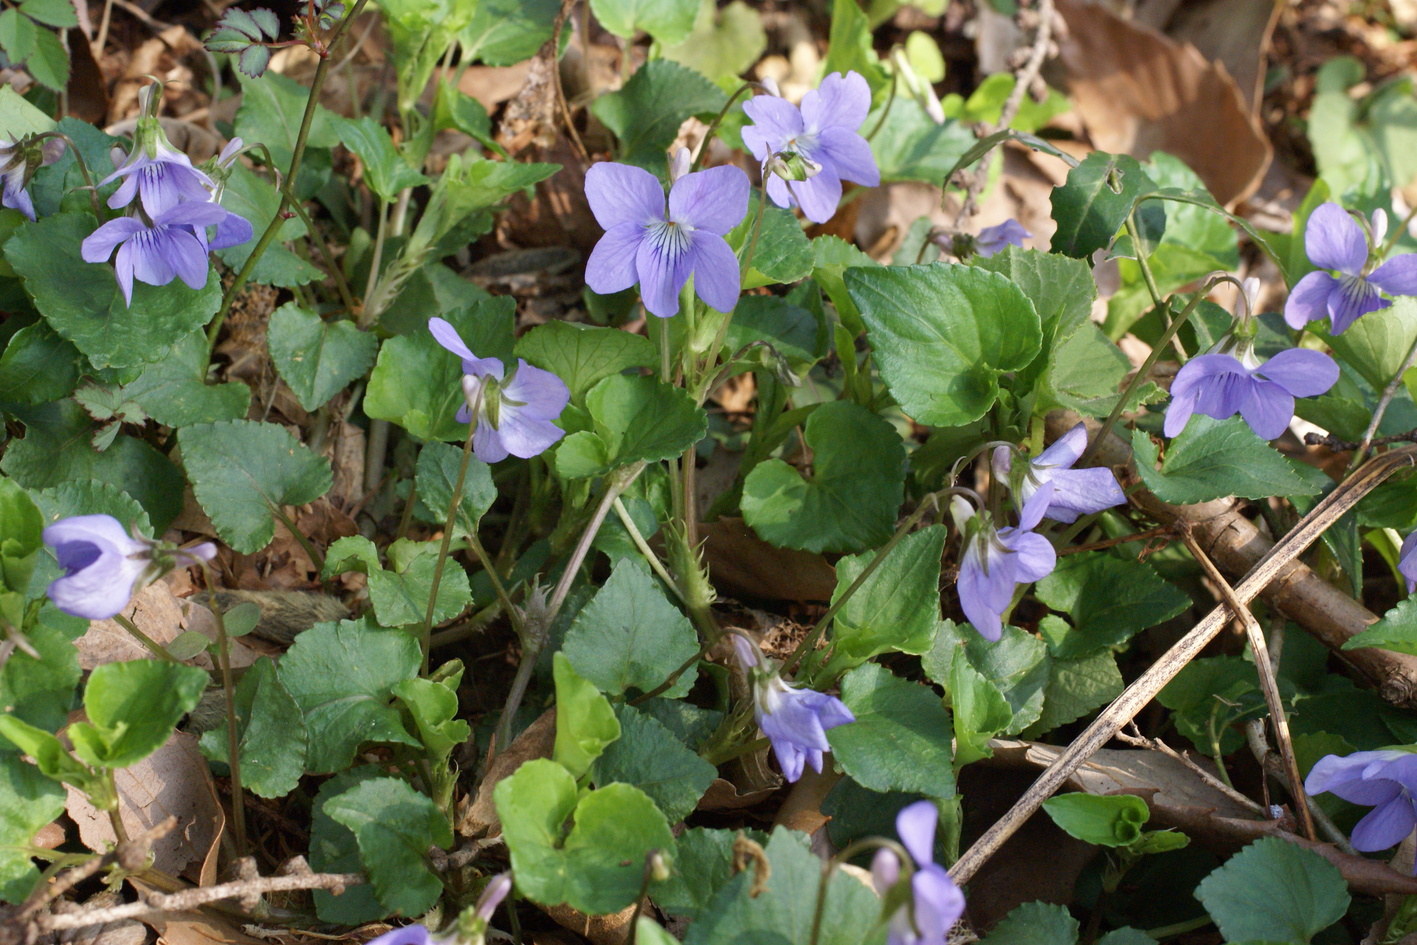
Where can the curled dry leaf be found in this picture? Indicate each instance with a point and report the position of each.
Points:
(479, 818)
(1138, 91)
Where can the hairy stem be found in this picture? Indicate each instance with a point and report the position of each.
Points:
(425, 636)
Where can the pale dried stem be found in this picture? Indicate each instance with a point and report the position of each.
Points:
(1259, 747)
(134, 851)
(1269, 682)
(1136, 696)
(1135, 737)
(299, 877)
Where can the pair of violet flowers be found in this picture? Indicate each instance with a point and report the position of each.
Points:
(104, 565)
(996, 560)
(794, 720)
(171, 206)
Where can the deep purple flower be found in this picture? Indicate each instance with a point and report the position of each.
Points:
(934, 903)
(1075, 491)
(660, 250)
(993, 239)
(514, 413)
(1222, 385)
(18, 162)
(1335, 241)
(174, 246)
(824, 133)
(1383, 780)
(996, 562)
(1407, 561)
(794, 720)
(103, 564)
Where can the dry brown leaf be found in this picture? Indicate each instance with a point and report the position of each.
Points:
(153, 610)
(724, 795)
(479, 817)
(802, 810)
(743, 565)
(1232, 32)
(172, 782)
(600, 929)
(1138, 91)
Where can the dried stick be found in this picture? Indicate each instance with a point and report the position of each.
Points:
(1269, 683)
(1135, 737)
(1135, 697)
(298, 876)
(1023, 78)
(131, 855)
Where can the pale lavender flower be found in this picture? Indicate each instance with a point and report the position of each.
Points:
(513, 414)
(1222, 385)
(174, 246)
(103, 564)
(660, 250)
(1407, 561)
(408, 935)
(934, 903)
(996, 562)
(160, 180)
(18, 162)
(823, 132)
(994, 239)
(794, 720)
(1335, 241)
(1383, 780)
(1075, 491)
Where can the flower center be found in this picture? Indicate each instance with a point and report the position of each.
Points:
(670, 238)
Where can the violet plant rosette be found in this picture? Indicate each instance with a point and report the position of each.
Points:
(512, 414)
(995, 239)
(995, 562)
(823, 132)
(794, 720)
(1075, 491)
(661, 245)
(1336, 242)
(18, 162)
(933, 903)
(1407, 561)
(1384, 780)
(104, 565)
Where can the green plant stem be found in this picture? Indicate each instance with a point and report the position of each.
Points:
(376, 258)
(317, 557)
(1142, 374)
(1384, 401)
(737, 751)
(153, 647)
(425, 636)
(885, 112)
(1179, 928)
(341, 284)
(498, 587)
(810, 640)
(538, 630)
(83, 169)
(718, 120)
(238, 795)
(640, 543)
(321, 71)
(673, 677)
(829, 867)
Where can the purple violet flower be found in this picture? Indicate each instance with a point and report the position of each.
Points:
(1335, 241)
(1407, 561)
(514, 413)
(660, 250)
(823, 132)
(794, 720)
(1222, 385)
(994, 239)
(1075, 491)
(175, 245)
(154, 171)
(934, 903)
(1383, 780)
(996, 562)
(103, 564)
(18, 162)
(407, 935)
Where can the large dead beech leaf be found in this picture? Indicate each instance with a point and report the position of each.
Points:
(172, 782)
(1233, 32)
(1138, 91)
